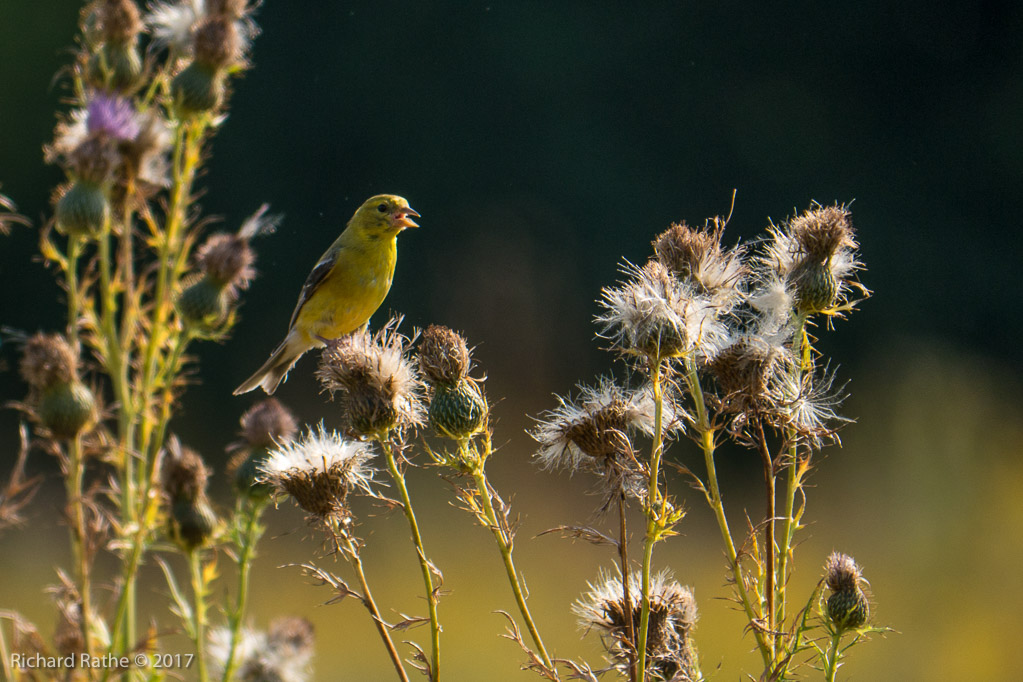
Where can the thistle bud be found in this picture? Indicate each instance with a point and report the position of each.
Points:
(50, 366)
(191, 522)
(203, 304)
(67, 408)
(83, 210)
(116, 66)
(847, 608)
(199, 88)
(458, 411)
(816, 288)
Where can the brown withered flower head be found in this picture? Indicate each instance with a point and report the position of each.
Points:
(443, 355)
(268, 422)
(183, 474)
(48, 359)
(375, 379)
(697, 256)
(671, 654)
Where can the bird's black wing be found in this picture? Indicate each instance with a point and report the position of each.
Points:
(313, 282)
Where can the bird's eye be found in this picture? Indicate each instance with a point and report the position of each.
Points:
(382, 208)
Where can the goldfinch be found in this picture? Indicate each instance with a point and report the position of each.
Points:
(346, 287)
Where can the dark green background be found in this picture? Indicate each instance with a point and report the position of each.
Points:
(544, 141)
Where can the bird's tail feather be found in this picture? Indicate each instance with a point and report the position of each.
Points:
(275, 369)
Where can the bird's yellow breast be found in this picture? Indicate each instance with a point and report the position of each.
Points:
(351, 292)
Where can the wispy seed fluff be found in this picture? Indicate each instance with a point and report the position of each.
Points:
(282, 654)
(375, 379)
(653, 313)
(807, 404)
(319, 471)
(592, 432)
(813, 256)
(174, 24)
(671, 654)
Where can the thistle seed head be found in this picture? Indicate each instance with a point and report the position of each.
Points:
(375, 379)
(319, 471)
(847, 608)
(673, 616)
(655, 315)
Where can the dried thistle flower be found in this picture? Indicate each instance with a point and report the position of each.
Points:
(656, 315)
(444, 355)
(319, 471)
(48, 359)
(696, 256)
(847, 608)
(671, 654)
(280, 655)
(814, 254)
(376, 380)
(745, 372)
(268, 422)
(225, 262)
(183, 474)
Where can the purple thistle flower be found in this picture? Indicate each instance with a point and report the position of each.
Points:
(113, 116)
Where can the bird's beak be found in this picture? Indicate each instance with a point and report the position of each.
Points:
(402, 219)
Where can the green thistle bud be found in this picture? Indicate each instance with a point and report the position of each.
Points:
(197, 89)
(204, 303)
(116, 66)
(191, 522)
(66, 408)
(248, 474)
(816, 288)
(457, 411)
(83, 210)
(848, 609)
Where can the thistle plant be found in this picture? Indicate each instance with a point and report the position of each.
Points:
(714, 343)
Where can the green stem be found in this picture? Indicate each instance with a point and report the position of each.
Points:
(74, 251)
(834, 655)
(793, 478)
(655, 520)
(250, 538)
(79, 534)
(352, 552)
(504, 544)
(424, 563)
(717, 505)
(199, 595)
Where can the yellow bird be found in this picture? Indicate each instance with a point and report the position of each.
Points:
(345, 288)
